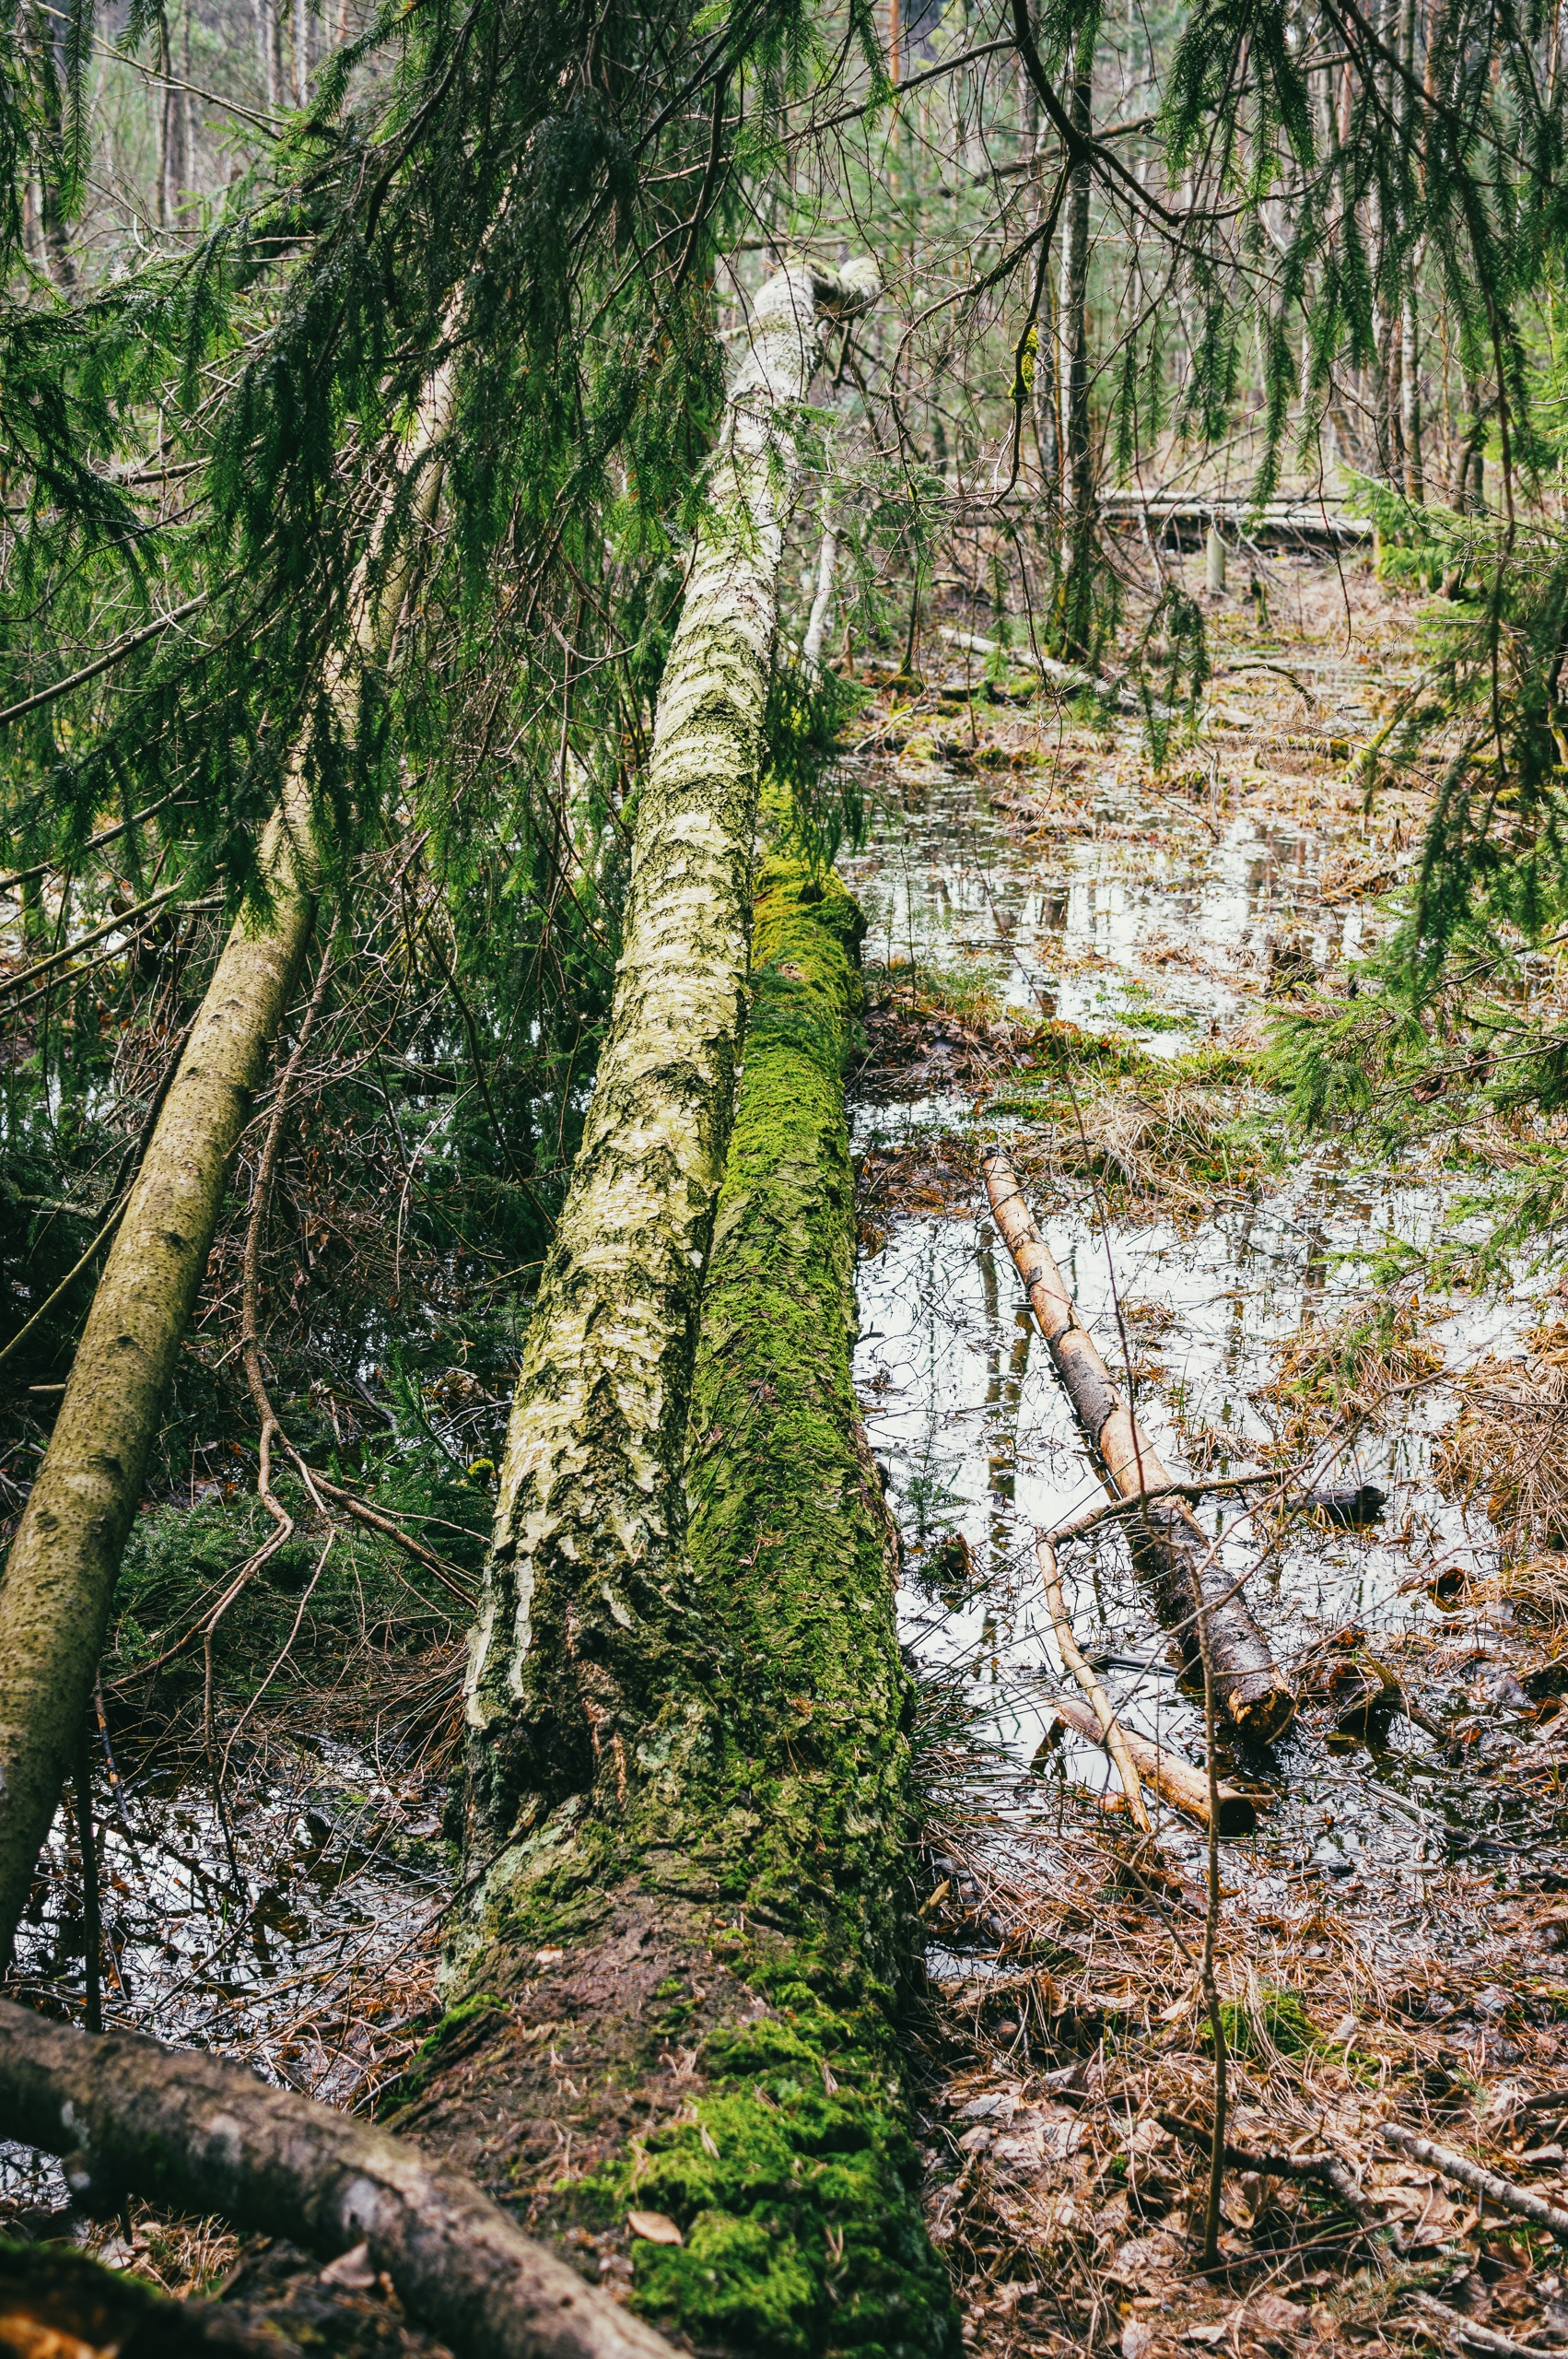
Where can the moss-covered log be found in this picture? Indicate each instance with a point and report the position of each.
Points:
(59, 1579)
(684, 2004)
(569, 1652)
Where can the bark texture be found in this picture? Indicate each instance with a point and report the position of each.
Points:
(1168, 1540)
(684, 2002)
(59, 1579)
(580, 1603)
(196, 2134)
(1167, 1773)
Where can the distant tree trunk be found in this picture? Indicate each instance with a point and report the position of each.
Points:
(54, 233)
(1077, 487)
(268, 40)
(168, 166)
(59, 1579)
(301, 53)
(679, 1994)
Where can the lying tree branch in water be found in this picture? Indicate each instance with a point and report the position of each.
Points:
(1255, 1693)
(198, 2135)
(1108, 1730)
(1118, 1510)
(1164, 1772)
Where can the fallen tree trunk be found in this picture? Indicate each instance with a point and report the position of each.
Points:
(572, 1647)
(1165, 1773)
(199, 2135)
(1107, 1728)
(678, 2035)
(59, 1579)
(1167, 1538)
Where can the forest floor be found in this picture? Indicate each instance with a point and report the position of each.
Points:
(1085, 955)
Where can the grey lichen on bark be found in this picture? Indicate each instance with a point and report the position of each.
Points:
(58, 1584)
(582, 1603)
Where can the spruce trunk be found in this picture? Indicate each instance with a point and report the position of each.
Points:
(676, 2029)
(58, 1585)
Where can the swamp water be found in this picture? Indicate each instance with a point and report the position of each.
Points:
(303, 1938)
(1161, 939)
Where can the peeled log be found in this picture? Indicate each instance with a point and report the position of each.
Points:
(1166, 1774)
(193, 2133)
(1168, 1540)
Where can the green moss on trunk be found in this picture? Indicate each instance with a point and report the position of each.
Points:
(699, 1986)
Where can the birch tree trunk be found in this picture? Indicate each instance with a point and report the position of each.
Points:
(672, 2025)
(1077, 482)
(576, 1623)
(58, 1583)
(682, 2002)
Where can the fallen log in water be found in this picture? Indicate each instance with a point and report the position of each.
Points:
(196, 2134)
(1165, 1773)
(1167, 1540)
(1107, 1730)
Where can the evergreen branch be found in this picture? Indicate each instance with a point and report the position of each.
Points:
(104, 662)
(94, 843)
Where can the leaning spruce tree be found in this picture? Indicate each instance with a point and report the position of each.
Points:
(59, 1580)
(674, 1976)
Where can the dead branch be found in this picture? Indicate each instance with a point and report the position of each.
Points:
(1165, 1773)
(1109, 1729)
(1255, 1691)
(1480, 2180)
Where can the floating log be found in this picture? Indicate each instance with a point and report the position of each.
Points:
(1167, 1773)
(1168, 1540)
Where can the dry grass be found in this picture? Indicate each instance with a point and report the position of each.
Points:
(1344, 1371)
(1507, 1450)
(1069, 2209)
(1173, 1148)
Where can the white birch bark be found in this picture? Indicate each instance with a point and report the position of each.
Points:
(578, 1606)
(822, 601)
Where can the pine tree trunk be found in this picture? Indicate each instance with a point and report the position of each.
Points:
(58, 1584)
(680, 2000)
